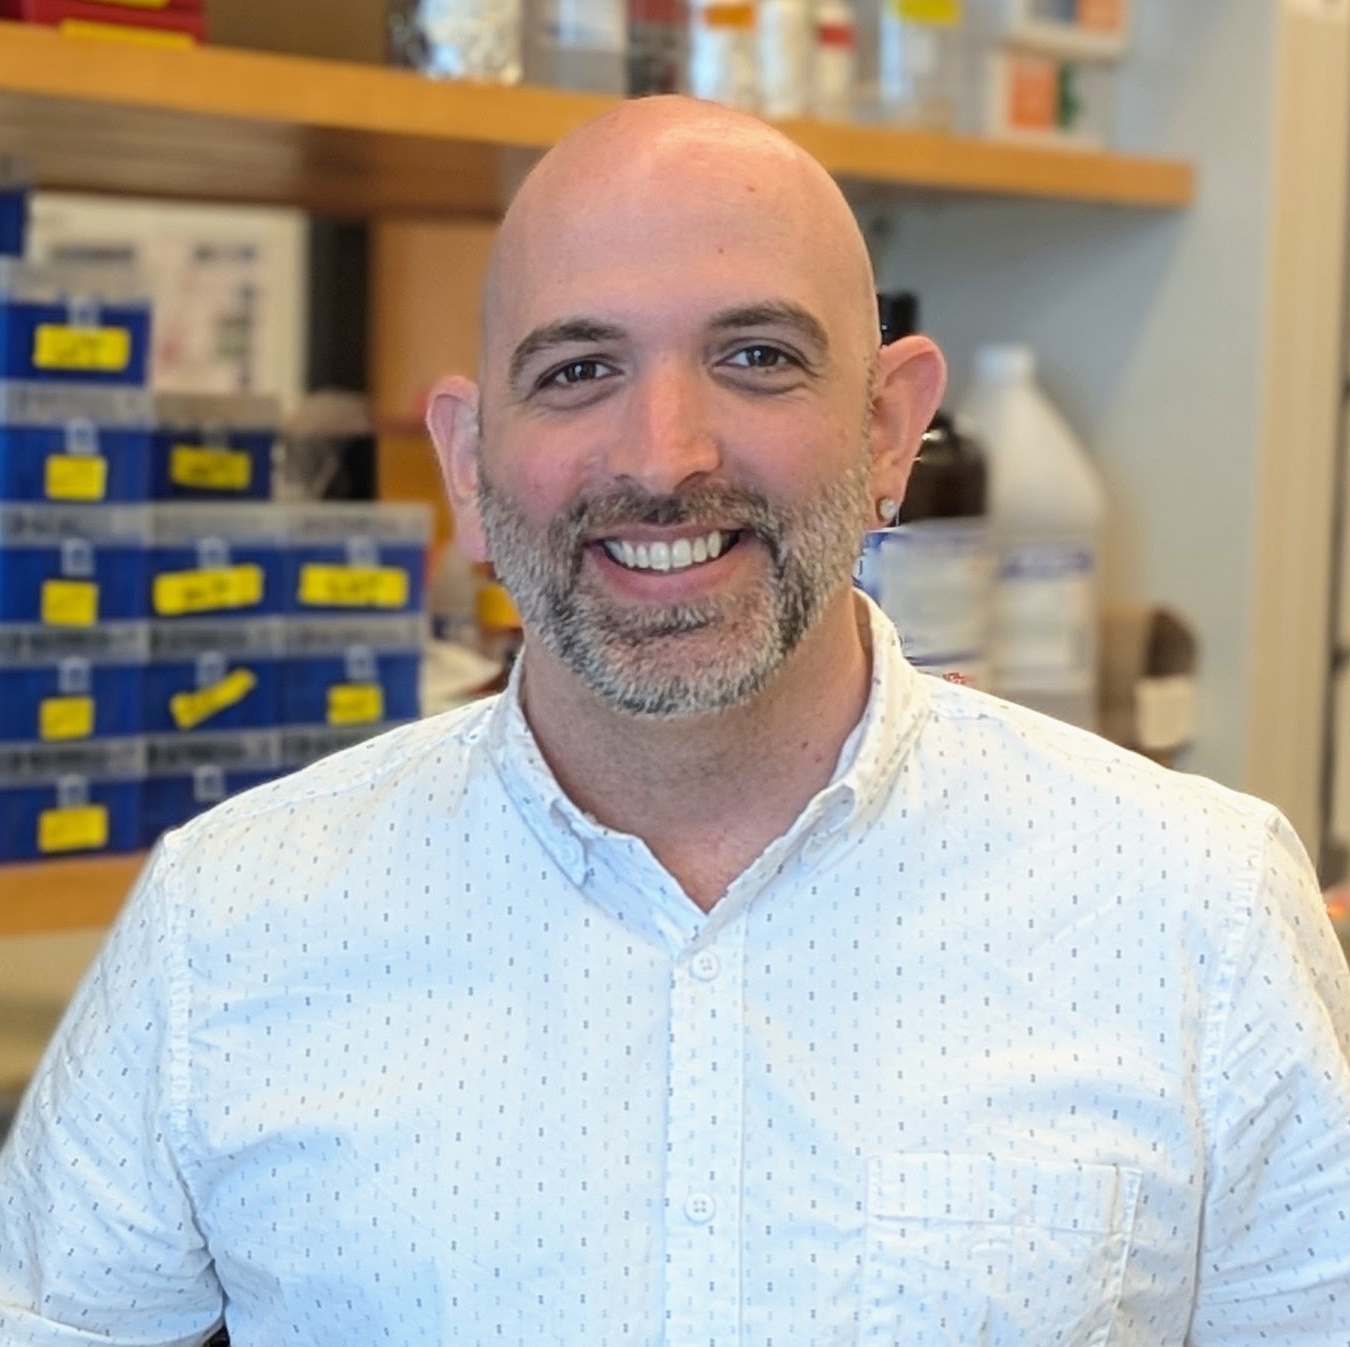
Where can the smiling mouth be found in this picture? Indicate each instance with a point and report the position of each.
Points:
(679, 555)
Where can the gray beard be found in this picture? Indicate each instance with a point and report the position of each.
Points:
(677, 660)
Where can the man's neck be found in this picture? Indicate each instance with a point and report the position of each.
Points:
(707, 794)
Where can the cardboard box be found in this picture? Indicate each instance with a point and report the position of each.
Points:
(1148, 660)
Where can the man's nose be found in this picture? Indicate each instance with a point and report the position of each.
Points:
(670, 435)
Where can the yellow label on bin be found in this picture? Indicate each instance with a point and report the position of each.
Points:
(353, 587)
(177, 592)
(66, 718)
(940, 13)
(190, 709)
(69, 603)
(355, 704)
(82, 828)
(75, 477)
(101, 350)
(210, 469)
(125, 32)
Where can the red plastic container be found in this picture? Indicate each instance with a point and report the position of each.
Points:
(184, 18)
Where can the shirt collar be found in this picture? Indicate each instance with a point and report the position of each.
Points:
(897, 705)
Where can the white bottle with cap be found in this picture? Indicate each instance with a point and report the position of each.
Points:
(1047, 507)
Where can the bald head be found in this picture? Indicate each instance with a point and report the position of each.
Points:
(657, 165)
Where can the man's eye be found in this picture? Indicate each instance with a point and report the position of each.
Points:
(575, 372)
(761, 357)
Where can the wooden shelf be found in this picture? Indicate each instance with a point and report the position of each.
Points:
(64, 895)
(224, 125)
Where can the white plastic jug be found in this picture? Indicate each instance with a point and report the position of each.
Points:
(1046, 507)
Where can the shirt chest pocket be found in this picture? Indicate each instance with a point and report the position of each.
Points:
(970, 1251)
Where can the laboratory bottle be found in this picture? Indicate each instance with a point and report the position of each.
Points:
(1047, 507)
(457, 39)
(833, 61)
(723, 53)
(577, 44)
(932, 570)
(784, 38)
(658, 42)
(911, 67)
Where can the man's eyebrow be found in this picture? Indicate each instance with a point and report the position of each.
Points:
(774, 313)
(560, 333)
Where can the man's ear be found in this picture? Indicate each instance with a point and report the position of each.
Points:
(911, 378)
(452, 419)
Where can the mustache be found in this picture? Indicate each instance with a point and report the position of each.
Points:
(712, 506)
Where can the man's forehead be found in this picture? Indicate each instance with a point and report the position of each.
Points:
(653, 195)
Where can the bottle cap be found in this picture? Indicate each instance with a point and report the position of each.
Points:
(898, 313)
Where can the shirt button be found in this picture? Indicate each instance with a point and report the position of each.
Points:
(699, 1208)
(705, 965)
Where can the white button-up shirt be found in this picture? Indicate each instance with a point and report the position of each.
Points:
(1013, 1040)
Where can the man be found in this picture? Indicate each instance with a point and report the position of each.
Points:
(725, 981)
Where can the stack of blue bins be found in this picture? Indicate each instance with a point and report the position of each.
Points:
(355, 628)
(74, 455)
(212, 696)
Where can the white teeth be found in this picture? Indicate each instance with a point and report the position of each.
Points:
(663, 556)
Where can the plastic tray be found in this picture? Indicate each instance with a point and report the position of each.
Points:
(348, 558)
(63, 685)
(206, 676)
(72, 566)
(70, 799)
(359, 686)
(185, 776)
(208, 447)
(76, 323)
(215, 559)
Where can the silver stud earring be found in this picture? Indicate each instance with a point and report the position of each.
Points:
(887, 509)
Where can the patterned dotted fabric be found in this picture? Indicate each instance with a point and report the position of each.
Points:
(1013, 1040)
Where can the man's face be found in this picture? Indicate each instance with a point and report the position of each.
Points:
(675, 468)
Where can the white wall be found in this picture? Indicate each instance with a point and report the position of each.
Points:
(1149, 327)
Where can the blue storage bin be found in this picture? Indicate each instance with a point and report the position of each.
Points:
(60, 684)
(73, 323)
(75, 799)
(356, 558)
(213, 447)
(186, 776)
(351, 671)
(72, 565)
(213, 560)
(16, 177)
(13, 220)
(74, 444)
(208, 675)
